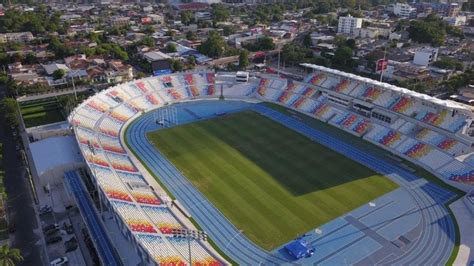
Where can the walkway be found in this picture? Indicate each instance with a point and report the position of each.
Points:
(96, 228)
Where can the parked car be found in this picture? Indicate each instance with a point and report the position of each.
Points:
(52, 231)
(45, 210)
(49, 227)
(53, 239)
(72, 240)
(59, 261)
(70, 246)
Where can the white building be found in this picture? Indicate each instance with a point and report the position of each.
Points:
(349, 24)
(456, 21)
(425, 56)
(404, 10)
(14, 37)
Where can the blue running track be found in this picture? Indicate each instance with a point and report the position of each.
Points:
(433, 247)
(104, 247)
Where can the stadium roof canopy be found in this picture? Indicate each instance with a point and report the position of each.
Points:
(56, 152)
(447, 104)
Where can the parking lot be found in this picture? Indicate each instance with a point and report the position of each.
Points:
(62, 226)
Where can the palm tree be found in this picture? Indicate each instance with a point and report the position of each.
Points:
(9, 256)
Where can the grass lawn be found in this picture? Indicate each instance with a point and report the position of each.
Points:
(41, 113)
(270, 181)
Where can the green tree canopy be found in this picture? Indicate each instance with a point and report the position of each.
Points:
(220, 12)
(214, 46)
(9, 107)
(448, 63)
(244, 59)
(171, 48)
(59, 73)
(191, 36)
(186, 17)
(264, 43)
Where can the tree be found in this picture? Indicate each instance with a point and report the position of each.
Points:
(140, 75)
(296, 54)
(244, 59)
(176, 65)
(186, 17)
(59, 48)
(214, 46)
(192, 61)
(307, 40)
(228, 30)
(59, 73)
(351, 43)
(220, 13)
(448, 63)
(10, 108)
(30, 59)
(9, 256)
(191, 36)
(430, 30)
(343, 57)
(264, 43)
(148, 41)
(171, 48)
(149, 30)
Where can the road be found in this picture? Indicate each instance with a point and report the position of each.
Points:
(20, 203)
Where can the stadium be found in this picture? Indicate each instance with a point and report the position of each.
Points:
(335, 169)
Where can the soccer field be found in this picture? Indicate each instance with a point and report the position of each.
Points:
(269, 181)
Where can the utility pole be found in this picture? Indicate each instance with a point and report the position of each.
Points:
(278, 68)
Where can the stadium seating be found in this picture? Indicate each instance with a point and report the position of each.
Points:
(163, 219)
(145, 197)
(110, 126)
(119, 94)
(110, 143)
(131, 177)
(160, 251)
(433, 142)
(383, 98)
(144, 87)
(122, 113)
(315, 79)
(444, 119)
(199, 255)
(385, 136)
(458, 172)
(121, 162)
(133, 217)
(94, 156)
(140, 103)
(407, 128)
(240, 90)
(404, 105)
(111, 185)
(133, 90)
(89, 113)
(86, 136)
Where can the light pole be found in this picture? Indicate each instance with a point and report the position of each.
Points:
(73, 85)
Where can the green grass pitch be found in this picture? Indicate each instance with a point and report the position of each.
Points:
(269, 181)
(41, 113)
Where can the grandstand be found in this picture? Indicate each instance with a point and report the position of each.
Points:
(427, 131)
